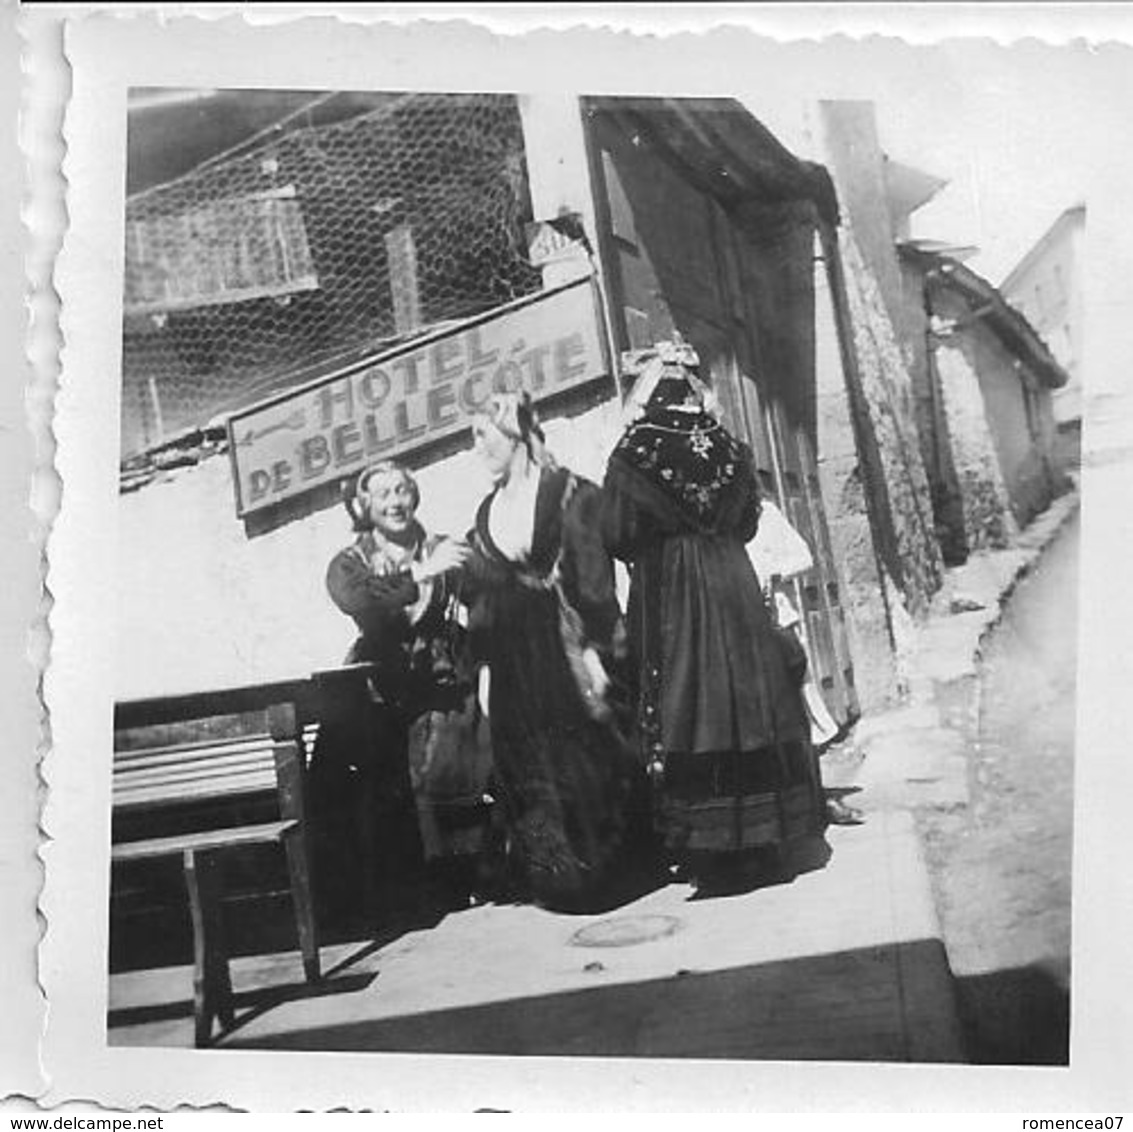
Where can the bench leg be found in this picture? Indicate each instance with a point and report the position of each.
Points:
(212, 984)
(298, 868)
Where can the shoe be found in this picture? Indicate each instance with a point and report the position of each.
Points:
(838, 813)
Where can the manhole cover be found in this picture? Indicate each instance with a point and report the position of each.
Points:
(625, 931)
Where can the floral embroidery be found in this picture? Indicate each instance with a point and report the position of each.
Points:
(700, 443)
(695, 460)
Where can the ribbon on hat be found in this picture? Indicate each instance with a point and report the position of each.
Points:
(673, 358)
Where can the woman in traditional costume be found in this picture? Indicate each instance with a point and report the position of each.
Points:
(721, 719)
(399, 769)
(545, 621)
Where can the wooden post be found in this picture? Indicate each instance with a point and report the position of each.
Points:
(560, 181)
(405, 291)
(155, 401)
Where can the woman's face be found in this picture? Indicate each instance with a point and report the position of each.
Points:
(495, 448)
(393, 503)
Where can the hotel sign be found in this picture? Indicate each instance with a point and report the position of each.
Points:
(403, 400)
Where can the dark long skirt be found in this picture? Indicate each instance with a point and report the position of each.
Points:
(571, 791)
(735, 801)
(722, 706)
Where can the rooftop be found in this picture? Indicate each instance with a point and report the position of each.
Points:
(986, 303)
(1074, 216)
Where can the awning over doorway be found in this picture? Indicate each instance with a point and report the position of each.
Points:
(728, 152)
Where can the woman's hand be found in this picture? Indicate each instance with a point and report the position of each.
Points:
(484, 688)
(447, 555)
(596, 670)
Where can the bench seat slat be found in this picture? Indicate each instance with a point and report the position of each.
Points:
(201, 841)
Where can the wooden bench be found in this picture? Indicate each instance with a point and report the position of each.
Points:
(154, 780)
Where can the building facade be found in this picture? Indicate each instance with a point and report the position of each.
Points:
(959, 386)
(368, 267)
(708, 226)
(986, 406)
(1046, 288)
(304, 258)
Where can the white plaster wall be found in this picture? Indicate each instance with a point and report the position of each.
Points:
(202, 606)
(1058, 319)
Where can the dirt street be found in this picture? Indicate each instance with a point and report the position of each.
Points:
(1001, 865)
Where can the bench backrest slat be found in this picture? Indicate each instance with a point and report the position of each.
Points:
(189, 790)
(235, 742)
(164, 775)
(202, 777)
(197, 771)
(132, 714)
(252, 747)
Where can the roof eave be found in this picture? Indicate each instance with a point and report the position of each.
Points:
(1012, 329)
(728, 150)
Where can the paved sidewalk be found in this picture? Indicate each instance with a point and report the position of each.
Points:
(917, 753)
(844, 963)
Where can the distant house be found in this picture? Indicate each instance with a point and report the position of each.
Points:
(1046, 287)
(986, 405)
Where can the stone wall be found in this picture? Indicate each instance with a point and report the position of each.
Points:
(984, 501)
(879, 369)
(1020, 417)
(887, 417)
(864, 594)
(1007, 417)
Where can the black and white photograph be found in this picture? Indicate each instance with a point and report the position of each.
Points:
(588, 555)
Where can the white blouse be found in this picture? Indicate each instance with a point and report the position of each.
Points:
(511, 517)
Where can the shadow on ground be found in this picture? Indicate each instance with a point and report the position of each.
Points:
(732, 877)
(839, 1006)
(1019, 1016)
(248, 1004)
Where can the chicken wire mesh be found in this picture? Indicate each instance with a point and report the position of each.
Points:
(315, 245)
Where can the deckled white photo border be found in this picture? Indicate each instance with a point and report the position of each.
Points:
(111, 51)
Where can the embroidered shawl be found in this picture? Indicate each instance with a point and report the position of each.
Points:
(683, 456)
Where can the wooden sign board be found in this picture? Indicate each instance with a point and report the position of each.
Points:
(224, 251)
(403, 400)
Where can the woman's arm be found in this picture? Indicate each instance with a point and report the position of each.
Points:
(588, 569)
(627, 527)
(355, 589)
(750, 505)
(479, 576)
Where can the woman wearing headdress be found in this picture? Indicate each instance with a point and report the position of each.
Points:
(390, 765)
(545, 620)
(720, 717)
